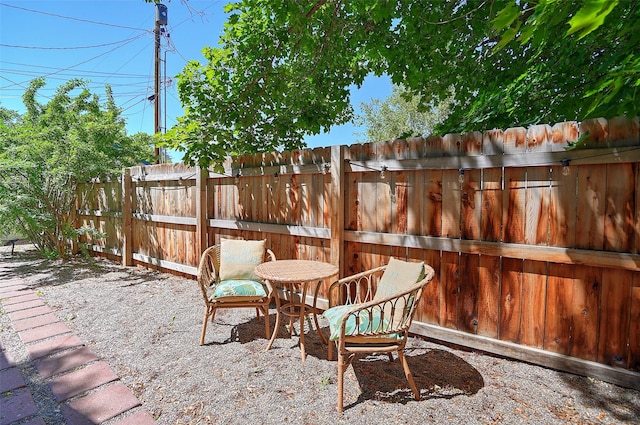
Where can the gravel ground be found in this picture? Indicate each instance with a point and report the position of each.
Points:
(146, 326)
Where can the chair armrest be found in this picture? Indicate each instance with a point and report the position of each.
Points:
(355, 289)
(270, 255)
(379, 317)
(386, 316)
(207, 272)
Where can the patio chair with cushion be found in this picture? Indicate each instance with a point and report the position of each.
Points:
(226, 279)
(371, 312)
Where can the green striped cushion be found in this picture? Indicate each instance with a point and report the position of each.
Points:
(239, 288)
(335, 315)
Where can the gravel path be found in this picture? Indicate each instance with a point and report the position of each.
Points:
(146, 326)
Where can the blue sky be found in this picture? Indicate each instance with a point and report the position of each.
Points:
(111, 42)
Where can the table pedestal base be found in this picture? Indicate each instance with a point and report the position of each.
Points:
(293, 309)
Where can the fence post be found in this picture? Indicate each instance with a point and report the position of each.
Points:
(337, 207)
(202, 176)
(75, 222)
(127, 239)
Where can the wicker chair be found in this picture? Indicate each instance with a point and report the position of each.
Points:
(215, 296)
(371, 312)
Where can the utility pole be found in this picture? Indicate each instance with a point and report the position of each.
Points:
(161, 19)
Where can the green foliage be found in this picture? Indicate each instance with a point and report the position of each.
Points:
(46, 152)
(399, 116)
(591, 16)
(582, 58)
(283, 69)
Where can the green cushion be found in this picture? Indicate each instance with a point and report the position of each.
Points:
(239, 288)
(398, 276)
(239, 258)
(335, 315)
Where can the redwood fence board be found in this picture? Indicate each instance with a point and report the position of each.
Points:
(534, 300)
(488, 295)
(509, 325)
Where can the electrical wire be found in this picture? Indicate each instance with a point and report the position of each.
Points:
(73, 19)
(64, 77)
(83, 62)
(130, 59)
(20, 85)
(68, 48)
(132, 98)
(129, 107)
(200, 13)
(76, 71)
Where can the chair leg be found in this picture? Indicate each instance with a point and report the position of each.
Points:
(407, 372)
(330, 353)
(204, 325)
(265, 311)
(341, 368)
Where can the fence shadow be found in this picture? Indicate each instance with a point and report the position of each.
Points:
(31, 264)
(621, 403)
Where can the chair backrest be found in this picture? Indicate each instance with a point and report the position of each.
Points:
(414, 296)
(215, 259)
(403, 281)
(209, 267)
(398, 276)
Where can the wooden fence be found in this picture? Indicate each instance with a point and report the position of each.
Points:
(536, 248)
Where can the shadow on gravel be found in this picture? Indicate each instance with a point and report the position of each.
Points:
(620, 403)
(243, 332)
(254, 329)
(59, 272)
(438, 374)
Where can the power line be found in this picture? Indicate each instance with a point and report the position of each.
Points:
(200, 13)
(78, 70)
(174, 49)
(68, 48)
(125, 63)
(83, 62)
(20, 84)
(73, 19)
(63, 75)
(138, 85)
(90, 85)
(131, 106)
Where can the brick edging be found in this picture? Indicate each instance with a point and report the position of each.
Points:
(86, 389)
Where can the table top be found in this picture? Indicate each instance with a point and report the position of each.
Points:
(295, 270)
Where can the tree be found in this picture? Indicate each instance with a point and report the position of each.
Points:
(399, 116)
(46, 152)
(283, 69)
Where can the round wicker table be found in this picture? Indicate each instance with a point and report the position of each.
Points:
(291, 273)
